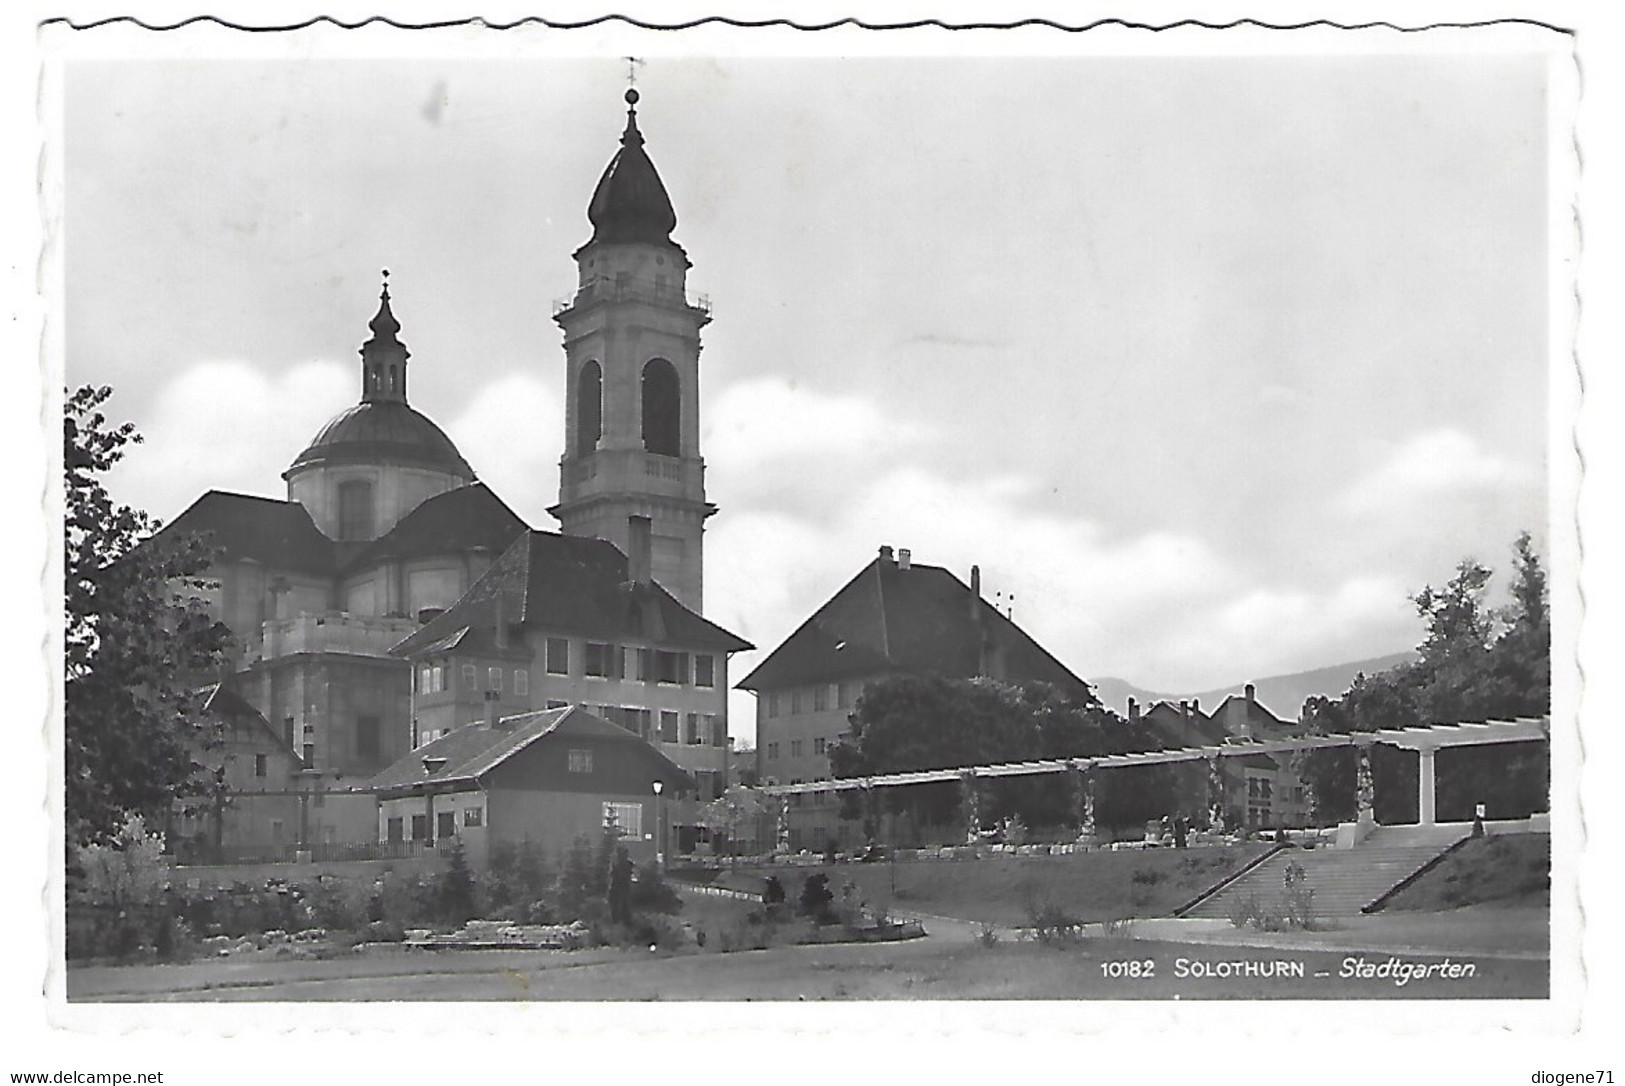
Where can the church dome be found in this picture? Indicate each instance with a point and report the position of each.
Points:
(383, 432)
(630, 203)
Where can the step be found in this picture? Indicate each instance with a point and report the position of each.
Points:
(1343, 881)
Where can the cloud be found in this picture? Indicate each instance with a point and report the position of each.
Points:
(770, 418)
(511, 432)
(1440, 464)
(236, 419)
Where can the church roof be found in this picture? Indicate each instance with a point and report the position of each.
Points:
(630, 203)
(467, 518)
(279, 534)
(572, 585)
(917, 619)
(383, 431)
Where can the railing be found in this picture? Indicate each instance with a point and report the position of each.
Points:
(637, 290)
(364, 635)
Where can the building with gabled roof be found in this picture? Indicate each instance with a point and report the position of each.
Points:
(549, 777)
(895, 617)
(560, 620)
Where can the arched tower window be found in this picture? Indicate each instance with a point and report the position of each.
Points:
(355, 510)
(589, 408)
(662, 408)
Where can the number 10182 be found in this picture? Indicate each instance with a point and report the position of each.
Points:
(1134, 970)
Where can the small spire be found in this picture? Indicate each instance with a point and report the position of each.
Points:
(384, 325)
(383, 357)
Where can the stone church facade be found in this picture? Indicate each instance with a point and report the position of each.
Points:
(340, 595)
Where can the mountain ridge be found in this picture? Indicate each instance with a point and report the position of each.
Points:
(1283, 695)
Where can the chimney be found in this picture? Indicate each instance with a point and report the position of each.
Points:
(1196, 705)
(1133, 710)
(1251, 693)
(976, 591)
(885, 552)
(640, 549)
(904, 557)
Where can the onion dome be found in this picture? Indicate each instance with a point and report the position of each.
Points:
(630, 204)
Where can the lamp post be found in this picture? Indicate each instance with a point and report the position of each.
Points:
(660, 829)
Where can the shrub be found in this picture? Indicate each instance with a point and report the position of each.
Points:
(1051, 924)
(1146, 876)
(1118, 927)
(987, 935)
(772, 891)
(816, 899)
(652, 893)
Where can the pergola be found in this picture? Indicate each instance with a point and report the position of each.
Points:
(1425, 739)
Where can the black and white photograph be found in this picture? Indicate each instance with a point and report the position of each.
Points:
(730, 515)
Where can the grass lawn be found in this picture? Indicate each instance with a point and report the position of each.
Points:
(997, 889)
(924, 969)
(1514, 869)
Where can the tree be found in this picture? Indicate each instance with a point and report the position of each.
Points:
(1474, 663)
(137, 639)
(737, 808)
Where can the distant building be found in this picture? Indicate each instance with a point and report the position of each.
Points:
(895, 617)
(548, 777)
(1262, 790)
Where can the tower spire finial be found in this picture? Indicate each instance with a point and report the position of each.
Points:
(383, 357)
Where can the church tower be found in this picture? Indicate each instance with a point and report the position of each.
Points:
(632, 368)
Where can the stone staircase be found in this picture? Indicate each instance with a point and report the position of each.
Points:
(1345, 881)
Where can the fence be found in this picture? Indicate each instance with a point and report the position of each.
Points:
(315, 852)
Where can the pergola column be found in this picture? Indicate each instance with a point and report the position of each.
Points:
(971, 801)
(1215, 795)
(1365, 789)
(1426, 812)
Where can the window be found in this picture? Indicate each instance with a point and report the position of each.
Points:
(718, 729)
(795, 701)
(691, 730)
(662, 408)
(420, 827)
(600, 661)
(469, 675)
(705, 670)
(422, 677)
(846, 694)
(820, 698)
(772, 750)
(474, 816)
(259, 765)
(437, 679)
(625, 819)
(671, 667)
(640, 721)
(394, 830)
(445, 824)
(558, 656)
(668, 726)
(355, 510)
(309, 756)
(589, 408)
(367, 743)
(521, 682)
(581, 761)
(795, 748)
(819, 745)
(493, 679)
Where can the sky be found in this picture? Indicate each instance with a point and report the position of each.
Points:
(1208, 362)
